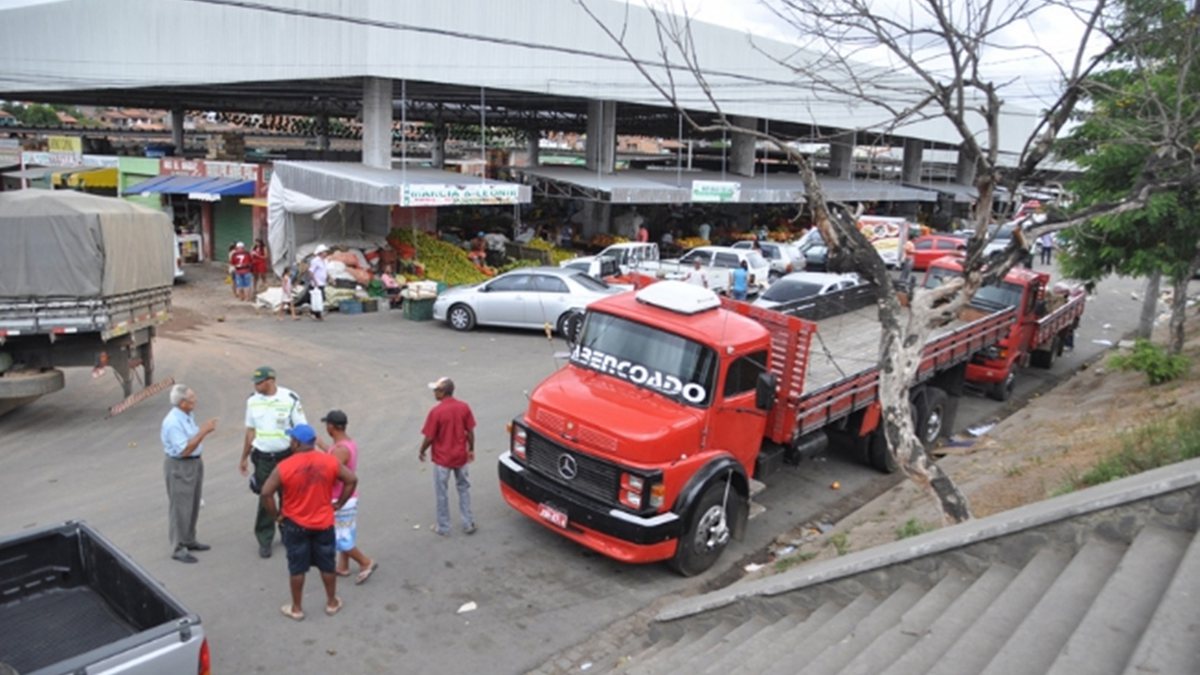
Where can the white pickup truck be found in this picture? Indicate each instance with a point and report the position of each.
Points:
(717, 262)
(631, 256)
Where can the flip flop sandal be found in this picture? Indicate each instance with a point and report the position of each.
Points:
(294, 616)
(335, 609)
(366, 574)
(342, 573)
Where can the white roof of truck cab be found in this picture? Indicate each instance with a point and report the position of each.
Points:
(679, 296)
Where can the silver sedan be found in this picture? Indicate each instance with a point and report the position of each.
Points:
(531, 297)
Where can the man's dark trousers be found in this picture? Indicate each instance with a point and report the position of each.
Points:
(264, 464)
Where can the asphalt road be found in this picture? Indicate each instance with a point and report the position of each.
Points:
(536, 593)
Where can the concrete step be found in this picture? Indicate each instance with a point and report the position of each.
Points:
(655, 661)
(898, 638)
(1176, 622)
(763, 639)
(1035, 643)
(1109, 632)
(785, 642)
(790, 655)
(930, 644)
(837, 654)
(703, 654)
(976, 646)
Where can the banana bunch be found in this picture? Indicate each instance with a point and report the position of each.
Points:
(692, 242)
(557, 254)
(442, 261)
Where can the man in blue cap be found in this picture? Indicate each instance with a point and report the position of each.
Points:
(306, 479)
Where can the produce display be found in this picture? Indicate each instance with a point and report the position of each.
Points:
(557, 255)
(692, 242)
(442, 261)
(604, 240)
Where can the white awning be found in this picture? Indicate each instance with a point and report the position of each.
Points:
(412, 186)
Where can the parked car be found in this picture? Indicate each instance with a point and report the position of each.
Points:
(717, 262)
(783, 258)
(816, 254)
(530, 297)
(800, 285)
(933, 246)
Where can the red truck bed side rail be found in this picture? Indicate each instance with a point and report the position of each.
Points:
(1054, 322)
(797, 412)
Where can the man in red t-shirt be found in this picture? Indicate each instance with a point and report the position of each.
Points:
(306, 480)
(450, 430)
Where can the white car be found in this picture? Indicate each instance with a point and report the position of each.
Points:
(783, 258)
(630, 256)
(530, 297)
(717, 262)
(801, 285)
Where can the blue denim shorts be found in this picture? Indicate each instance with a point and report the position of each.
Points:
(242, 279)
(307, 548)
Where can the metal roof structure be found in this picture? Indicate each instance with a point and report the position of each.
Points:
(410, 186)
(533, 64)
(653, 186)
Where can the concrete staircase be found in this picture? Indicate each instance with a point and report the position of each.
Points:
(1063, 590)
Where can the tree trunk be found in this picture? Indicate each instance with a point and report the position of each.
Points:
(1178, 309)
(903, 335)
(1149, 306)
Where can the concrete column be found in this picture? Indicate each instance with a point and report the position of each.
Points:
(437, 154)
(323, 134)
(533, 148)
(964, 174)
(177, 130)
(377, 122)
(601, 151)
(911, 168)
(741, 154)
(841, 155)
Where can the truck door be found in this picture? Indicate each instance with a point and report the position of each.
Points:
(738, 426)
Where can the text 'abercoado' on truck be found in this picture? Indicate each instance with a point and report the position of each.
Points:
(644, 445)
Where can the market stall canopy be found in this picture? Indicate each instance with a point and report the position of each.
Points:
(33, 173)
(656, 186)
(962, 194)
(94, 178)
(196, 187)
(412, 186)
(60, 176)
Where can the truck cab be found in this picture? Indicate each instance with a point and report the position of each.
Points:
(1045, 322)
(642, 447)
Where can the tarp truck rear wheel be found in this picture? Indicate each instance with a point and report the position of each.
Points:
(21, 387)
(707, 532)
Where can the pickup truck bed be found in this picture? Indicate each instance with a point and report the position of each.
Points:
(63, 622)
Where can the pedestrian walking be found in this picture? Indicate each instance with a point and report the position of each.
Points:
(696, 275)
(183, 468)
(270, 412)
(258, 266)
(318, 276)
(345, 519)
(1046, 241)
(450, 430)
(306, 479)
(287, 294)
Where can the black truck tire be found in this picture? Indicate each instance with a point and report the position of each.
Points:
(1044, 358)
(931, 422)
(1002, 391)
(879, 457)
(21, 388)
(569, 325)
(702, 542)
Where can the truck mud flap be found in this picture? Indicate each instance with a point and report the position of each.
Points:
(140, 396)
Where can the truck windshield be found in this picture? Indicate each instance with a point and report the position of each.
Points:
(992, 297)
(675, 367)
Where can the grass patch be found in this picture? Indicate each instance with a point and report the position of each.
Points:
(1148, 447)
(1154, 361)
(785, 564)
(911, 529)
(841, 543)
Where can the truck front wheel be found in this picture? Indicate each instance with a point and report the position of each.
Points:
(1003, 390)
(707, 533)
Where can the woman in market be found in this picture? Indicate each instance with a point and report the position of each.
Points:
(258, 266)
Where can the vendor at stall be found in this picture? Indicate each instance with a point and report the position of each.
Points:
(478, 252)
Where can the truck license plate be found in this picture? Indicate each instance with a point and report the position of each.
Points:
(547, 512)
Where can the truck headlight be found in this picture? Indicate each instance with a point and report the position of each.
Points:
(517, 442)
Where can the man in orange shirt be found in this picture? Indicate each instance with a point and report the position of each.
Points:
(306, 524)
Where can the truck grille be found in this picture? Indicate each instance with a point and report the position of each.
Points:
(595, 478)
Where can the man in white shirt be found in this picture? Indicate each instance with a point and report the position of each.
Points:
(318, 274)
(270, 413)
(696, 275)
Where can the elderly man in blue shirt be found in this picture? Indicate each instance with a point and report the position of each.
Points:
(184, 471)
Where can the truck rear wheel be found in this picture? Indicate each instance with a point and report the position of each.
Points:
(931, 423)
(1044, 358)
(22, 387)
(707, 532)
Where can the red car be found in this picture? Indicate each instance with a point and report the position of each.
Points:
(933, 246)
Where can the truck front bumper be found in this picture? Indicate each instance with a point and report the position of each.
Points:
(615, 533)
(991, 372)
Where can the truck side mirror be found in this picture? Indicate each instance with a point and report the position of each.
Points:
(764, 391)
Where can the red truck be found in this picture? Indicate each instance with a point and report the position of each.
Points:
(1045, 325)
(644, 445)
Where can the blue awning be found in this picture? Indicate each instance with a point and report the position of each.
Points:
(199, 187)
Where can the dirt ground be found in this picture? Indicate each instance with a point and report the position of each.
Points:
(1022, 459)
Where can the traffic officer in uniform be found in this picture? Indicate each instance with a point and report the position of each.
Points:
(270, 413)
